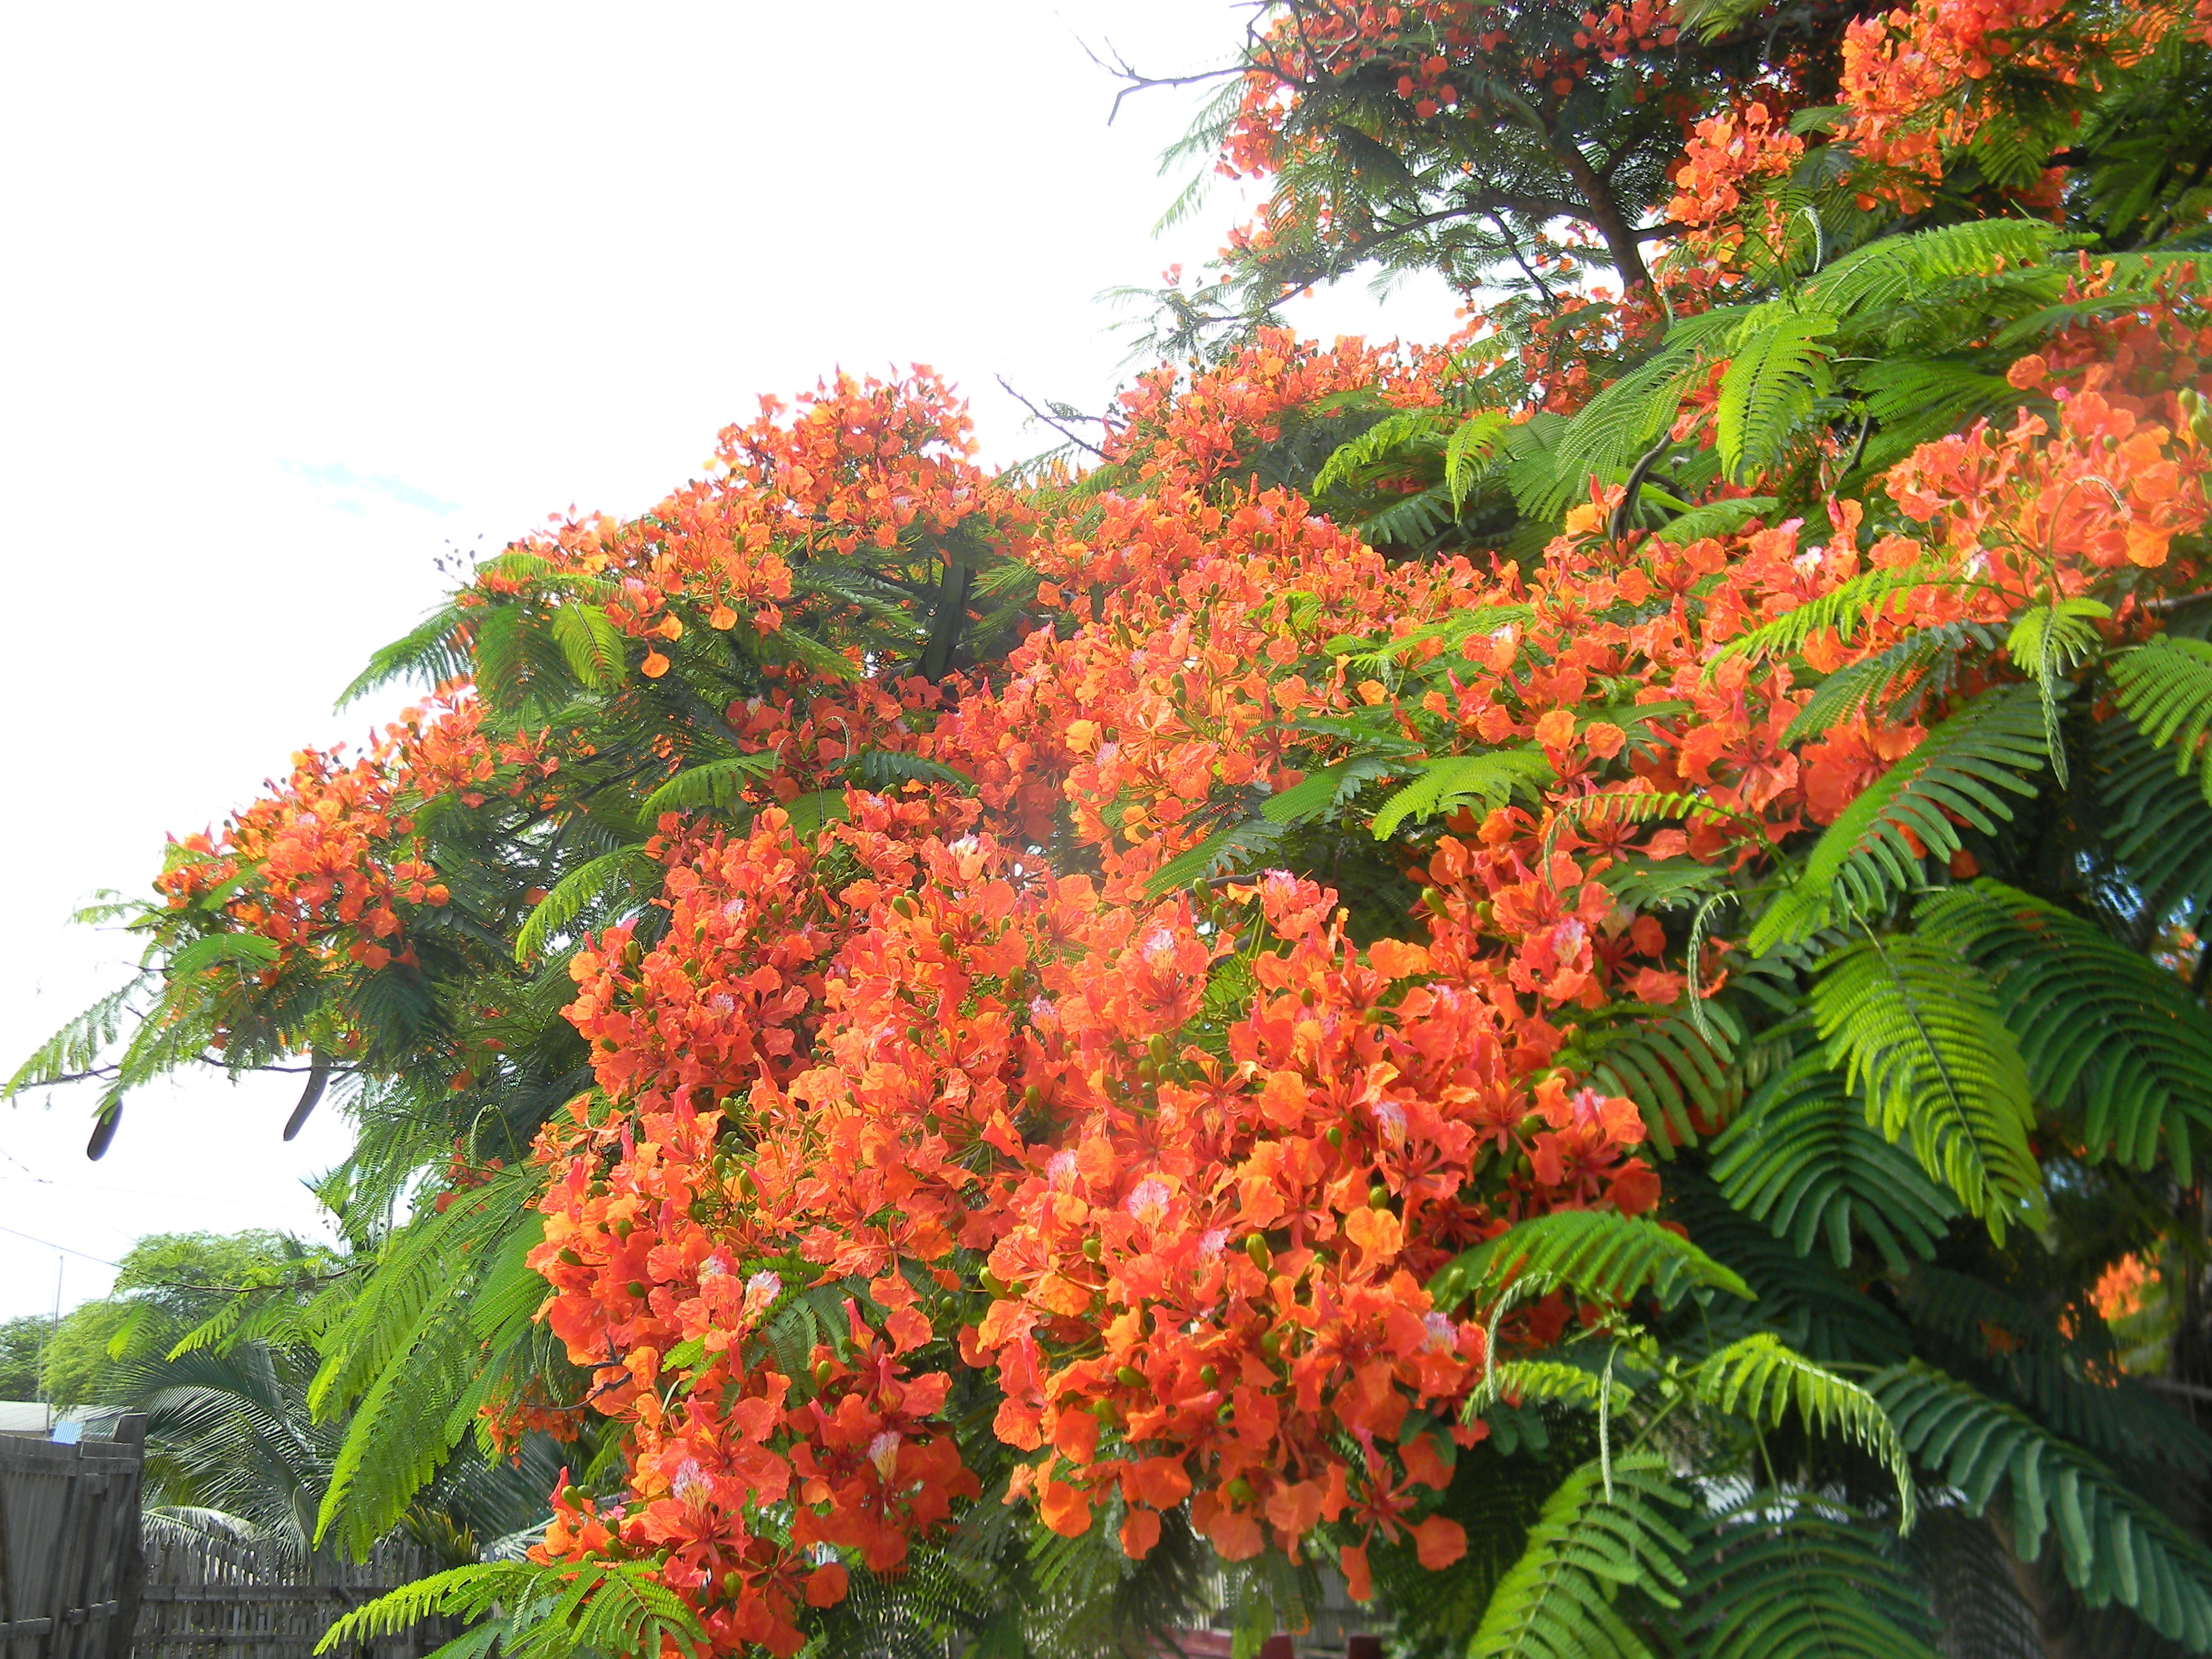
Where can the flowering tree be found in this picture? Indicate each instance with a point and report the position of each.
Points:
(1469, 964)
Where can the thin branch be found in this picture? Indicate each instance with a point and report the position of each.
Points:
(1122, 69)
(1052, 420)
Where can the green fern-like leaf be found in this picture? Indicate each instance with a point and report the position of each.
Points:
(1847, 608)
(1801, 1158)
(1761, 1378)
(1411, 520)
(2165, 686)
(1451, 781)
(1320, 794)
(1600, 1255)
(1621, 423)
(1471, 441)
(2093, 1019)
(2014, 1345)
(2156, 825)
(1233, 848)
(1775, 1576)
(1868, 856)
(216, 950)
(1801, 1299)
(1714, 518)
(591, 643)
(888, 769)
(627, 866)
(404, 1351)
(1776, 369)
(1897, 268)
(2113, 1545)
(2048, 642)
(1663, 1061)
(77, 1046)
(432, 653)
(1918, 1031)
(1558, 1602)
(1380, 442)
(1892, 683)
(719, 783)
(540, 1611)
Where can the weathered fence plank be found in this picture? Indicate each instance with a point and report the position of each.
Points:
(68, 1546)
(215, 1598)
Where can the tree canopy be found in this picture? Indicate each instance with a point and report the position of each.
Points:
(1560, 970)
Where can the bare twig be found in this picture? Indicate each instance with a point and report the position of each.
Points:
(1135, 81)
(1051, 420)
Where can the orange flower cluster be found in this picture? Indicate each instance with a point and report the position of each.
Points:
(1639, 26)
(326, 867)
(1191, 432)
(1432, 55)
(1725, 152)
(1916, 79)
(860, 463)
(1410, 46)
(2119, 1289)
(2112, 489)
(1172, 1171)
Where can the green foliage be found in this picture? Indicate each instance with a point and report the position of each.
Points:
(1667, 1063)
(1452, 782)
(1761, 1378)
(1916, 1032)
(167, 1285)
(2155, 827)
(719, 783)
(1601, 1533)
(2165, 686)
(1778, 1576)
(2098, 1024)
(1600, 1255)
(1892, 683)
(1874, 850)
(536, 1611)
(1775, 373)
(418, 1349)
(1846, 610)
(1802, 1159)
(2113, 1545)
(625, 872)
(22, 1346)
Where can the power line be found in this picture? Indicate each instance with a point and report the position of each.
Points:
(64, 1249)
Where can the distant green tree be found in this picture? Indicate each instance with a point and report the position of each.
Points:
(168, 1284)
(21, 1342)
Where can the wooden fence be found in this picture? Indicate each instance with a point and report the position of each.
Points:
(217, 1598)
(69, 1544)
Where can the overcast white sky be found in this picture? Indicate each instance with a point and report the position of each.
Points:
(297, 295)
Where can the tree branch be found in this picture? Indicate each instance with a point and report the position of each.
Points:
(1052, 420)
